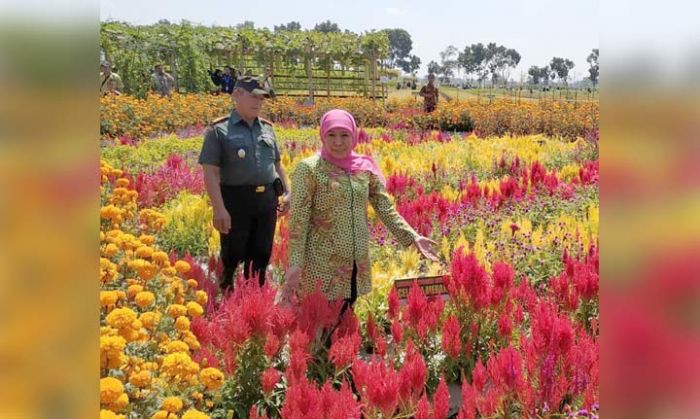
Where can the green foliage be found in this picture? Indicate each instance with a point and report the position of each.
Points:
(190, 50)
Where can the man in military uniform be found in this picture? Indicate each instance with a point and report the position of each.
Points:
(161, 81)
(245, 182)
(430, 94)
(110, 82)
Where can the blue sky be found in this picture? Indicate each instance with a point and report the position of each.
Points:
(537, 29)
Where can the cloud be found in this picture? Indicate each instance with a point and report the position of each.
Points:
(394, 11)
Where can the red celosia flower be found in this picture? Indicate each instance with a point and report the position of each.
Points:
(479, 376)
(417, 303)
(468, 409)
(339, 404)
(504, 325)
(412, 374)
(451, 337)
(272, 345)
(269, 379)
(502, 281)
(302, 401)
(397, 331)
(316, 312)
(344, 350)
(393, 304)
(423, 408)
(468, 279)
(441, 400)
(377, 384)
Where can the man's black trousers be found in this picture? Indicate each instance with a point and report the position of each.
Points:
(253, 219)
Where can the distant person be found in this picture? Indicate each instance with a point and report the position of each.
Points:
(110, 82)
(430, 94)
(267, 83)
(215, 77)
(228, 79)
(413, 85)
(161, 81)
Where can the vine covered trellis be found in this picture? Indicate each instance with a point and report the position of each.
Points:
(302, 63)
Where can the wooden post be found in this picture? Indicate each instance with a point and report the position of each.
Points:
(173, 68)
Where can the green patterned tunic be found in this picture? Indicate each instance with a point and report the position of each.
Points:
(328, 228)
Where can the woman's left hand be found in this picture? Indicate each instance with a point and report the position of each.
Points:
(283, 204)
(427, 248)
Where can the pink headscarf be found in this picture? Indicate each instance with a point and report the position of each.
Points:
(353, 163)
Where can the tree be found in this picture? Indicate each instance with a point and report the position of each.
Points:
(247, 24)
(560, 68)
(412, 65)
(594, 70)
(327, 27)
(291, 27)
(434, 68)
(400, 45)
(538, 74)
(494, 60)
(449, 62)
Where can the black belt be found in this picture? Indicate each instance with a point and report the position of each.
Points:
(250, 188)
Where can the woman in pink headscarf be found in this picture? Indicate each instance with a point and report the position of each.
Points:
(328, 229)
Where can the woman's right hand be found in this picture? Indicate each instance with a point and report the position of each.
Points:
(291, 283)
(222, 220)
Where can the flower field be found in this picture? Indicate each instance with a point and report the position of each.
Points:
(513, 204)
(127, 118)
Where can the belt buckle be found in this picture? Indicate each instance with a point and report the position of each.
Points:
(260, 189)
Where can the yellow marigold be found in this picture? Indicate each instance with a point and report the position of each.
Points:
(110, 390)
(122, 182)
(108, 270)
(177, 288)
(176, 310)
(121, 403)
(163, 414)
(140, 379)
(192, 283)
(147, 239)
(112, 351)
(182, 267)
(191, 340)
(172, 404)
(212, 378)
(168, 271)
(108, 298)
(144, 299)
(133, 290)
(160, 257)
(194, 309)
(194, 414)
(108, 414)
(110, 250)
(121, 317)
(131, 333)
(150, 319)
(179, 364)
(121, 295)
(201, 297)
(145, 252)
(182, 323)
(103, 236)
(176, 346)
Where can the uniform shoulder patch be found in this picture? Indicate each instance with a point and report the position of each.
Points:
(220, 119)
(267, 121)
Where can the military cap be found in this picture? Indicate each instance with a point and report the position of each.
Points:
(252, 85)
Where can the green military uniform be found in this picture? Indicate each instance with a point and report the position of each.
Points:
(246, 156)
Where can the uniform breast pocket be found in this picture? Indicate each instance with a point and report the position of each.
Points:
(266, 147)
